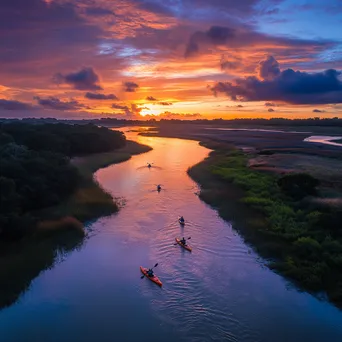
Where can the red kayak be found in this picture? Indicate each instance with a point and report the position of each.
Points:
(187, 247)
(155, 279)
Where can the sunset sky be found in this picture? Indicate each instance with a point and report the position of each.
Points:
(173, 58)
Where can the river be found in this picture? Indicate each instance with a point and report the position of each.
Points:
(222, 291)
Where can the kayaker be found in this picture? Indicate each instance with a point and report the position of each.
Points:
(183, 241)
(150, 272)
(149, 165)
(158, 187)
(181, 219)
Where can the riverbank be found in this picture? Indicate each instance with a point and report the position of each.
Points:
(60, 229)
(258, 181)
(90, 201)
(301, 239)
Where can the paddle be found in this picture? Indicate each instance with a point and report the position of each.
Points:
(142, 277)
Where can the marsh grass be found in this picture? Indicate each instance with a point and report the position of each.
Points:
(301, 237)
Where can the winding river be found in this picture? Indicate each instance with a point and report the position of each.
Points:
(222, 291)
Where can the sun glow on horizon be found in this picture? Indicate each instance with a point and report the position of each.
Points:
(148, 111)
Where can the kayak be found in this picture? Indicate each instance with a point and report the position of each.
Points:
(181, 222)
(187, 247)
(155, 279)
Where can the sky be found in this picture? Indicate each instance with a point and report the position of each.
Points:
(185, 59)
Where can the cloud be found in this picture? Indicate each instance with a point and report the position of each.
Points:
(216, 35)
(270, 104)
(55, 103)
(151, 98)
(99, 96)
(240, 36)
(98, 11)
(85, 79)
(271, 110)
(295, 87)
(120, 107)
(165, 103)
(237, 106)
(14, 105)
(318, 111)
(130, 87)
(268, 69)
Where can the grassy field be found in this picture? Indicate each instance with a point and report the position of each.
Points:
(302, 237)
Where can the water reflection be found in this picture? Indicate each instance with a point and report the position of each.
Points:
(324, 139)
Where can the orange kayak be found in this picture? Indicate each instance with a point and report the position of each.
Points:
(187, 247)
(155, 279)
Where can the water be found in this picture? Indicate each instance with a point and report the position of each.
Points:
(220, 292)
(324, 139)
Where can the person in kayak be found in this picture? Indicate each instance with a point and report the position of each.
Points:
(150, 272)
(158, 187)
(181, 219)
(149, 165)
(183, 241)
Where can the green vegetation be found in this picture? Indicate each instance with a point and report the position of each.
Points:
(304, 238)
(89, 200)
(40, 182)
(45, 195)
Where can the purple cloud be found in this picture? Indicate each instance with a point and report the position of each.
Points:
(271, 110)
(318, 111)
(270, 104)
(14, 105)
(85, 79)
(296, 87)
(99, 96)
(55, 103)
(116, 106)
(130, 87)
(269, 68)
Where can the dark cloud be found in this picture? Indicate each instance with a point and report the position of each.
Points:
(55, 103)
(41, 32)
(318, 111)
(14, 105)
(296, 87)
(98, 11)
(245, 37)
(165, 103)
(268, 69)
(216, 35)
(270, 104)
(85, 79)
(151, 98)
(270, 110)
(130, 87)
(120, 107)
(99, 96)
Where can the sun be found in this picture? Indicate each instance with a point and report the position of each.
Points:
(147, 111)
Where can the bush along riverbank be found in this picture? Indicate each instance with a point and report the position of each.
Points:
(48, 192)
(278, 216)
